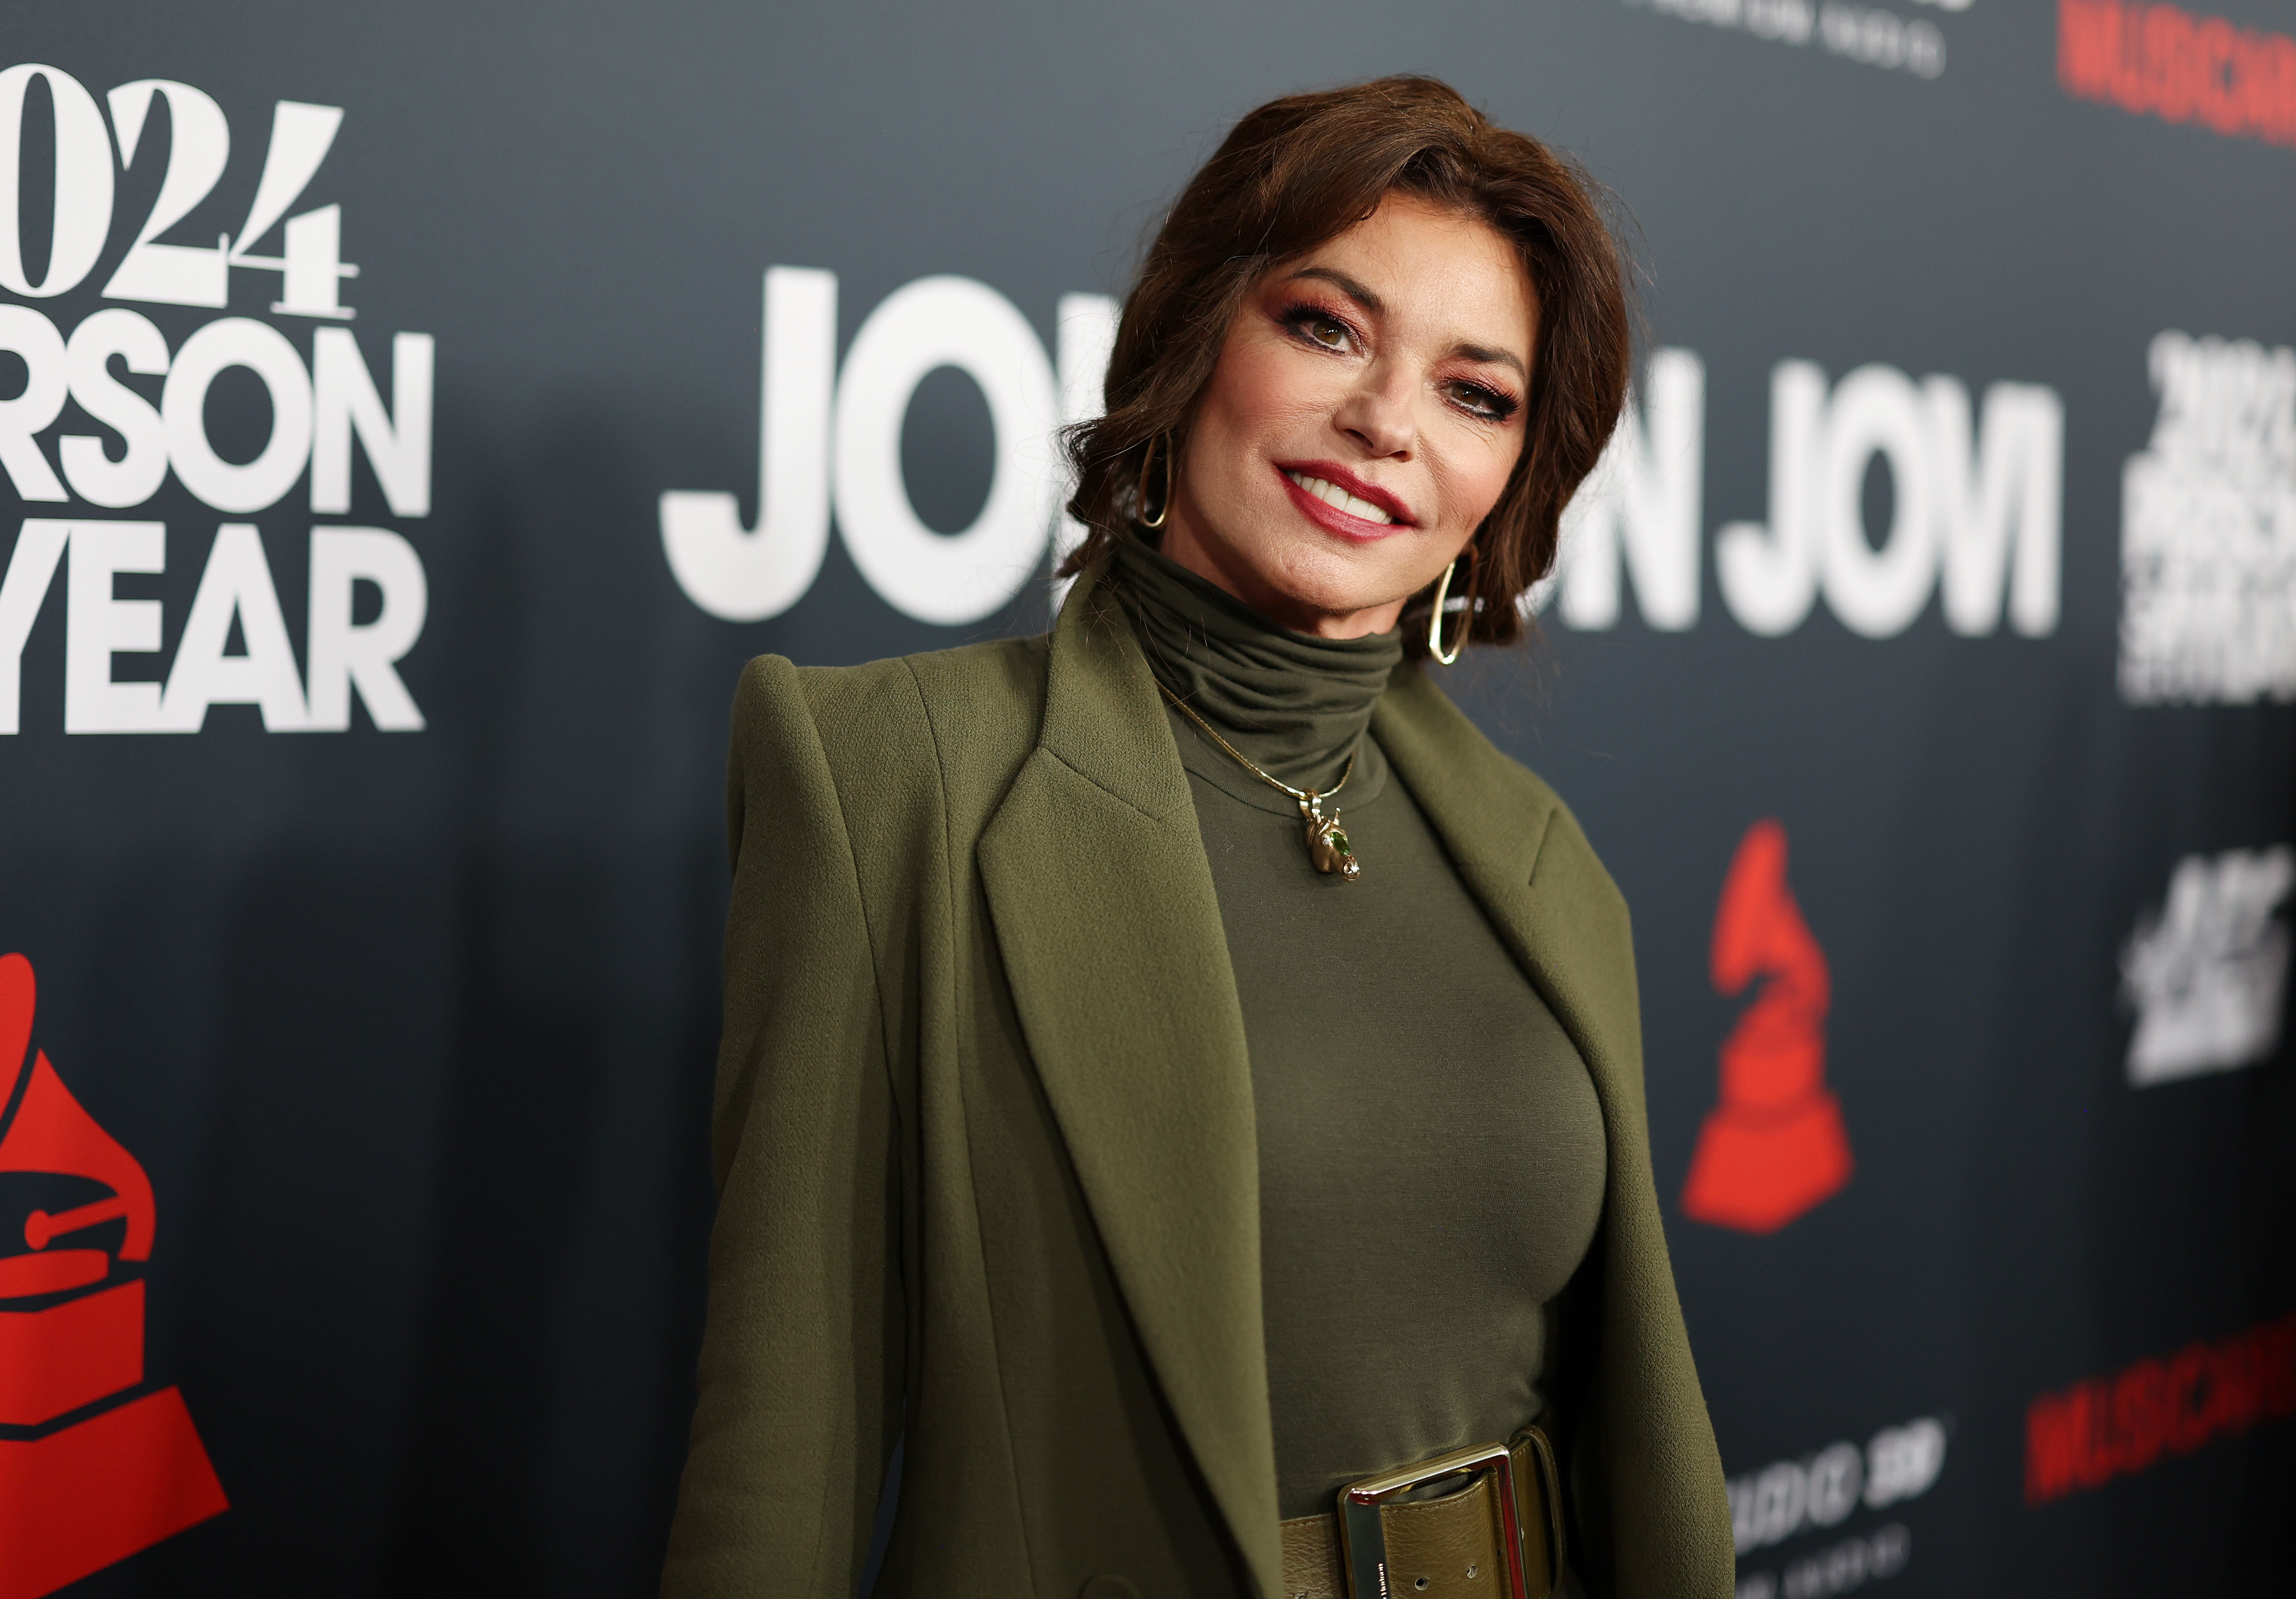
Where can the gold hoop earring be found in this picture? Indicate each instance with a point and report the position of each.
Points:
(1435, 618)
(1140, 493)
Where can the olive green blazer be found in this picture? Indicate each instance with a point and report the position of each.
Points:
(986, 1161)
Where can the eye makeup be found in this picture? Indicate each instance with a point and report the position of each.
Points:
(1308, 321)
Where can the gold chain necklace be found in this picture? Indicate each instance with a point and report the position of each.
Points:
(1327, 841)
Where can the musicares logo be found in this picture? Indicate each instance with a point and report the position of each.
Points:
(1775, 1147)
(94, 1465)
(2102, 1428)
(2164, 61)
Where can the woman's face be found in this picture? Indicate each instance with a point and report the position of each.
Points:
(1365, 415)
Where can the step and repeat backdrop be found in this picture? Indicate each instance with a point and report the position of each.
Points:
(411, 417)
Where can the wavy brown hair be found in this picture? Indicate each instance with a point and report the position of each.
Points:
(1297, 173)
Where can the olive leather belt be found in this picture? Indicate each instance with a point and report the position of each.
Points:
(1499, 1536)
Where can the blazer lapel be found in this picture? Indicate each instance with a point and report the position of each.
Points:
(1513, 844)
(1521, 853)
(1109, 930)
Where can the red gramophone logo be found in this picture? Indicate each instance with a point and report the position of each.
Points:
(94, 1464)
(1775, 1146)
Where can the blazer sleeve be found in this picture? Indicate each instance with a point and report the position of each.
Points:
(802, 1352)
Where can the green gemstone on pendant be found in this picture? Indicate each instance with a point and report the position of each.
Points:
(1329, 851)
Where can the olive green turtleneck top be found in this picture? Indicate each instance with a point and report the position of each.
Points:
(1431, 1158)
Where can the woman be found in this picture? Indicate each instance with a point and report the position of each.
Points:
(1181, 1084)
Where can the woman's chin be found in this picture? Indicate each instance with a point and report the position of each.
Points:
(1344, 615)
(1317, 586)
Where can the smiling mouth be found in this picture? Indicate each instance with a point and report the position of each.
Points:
(1339, 500)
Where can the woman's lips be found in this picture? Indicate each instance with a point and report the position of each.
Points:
(1342, 504)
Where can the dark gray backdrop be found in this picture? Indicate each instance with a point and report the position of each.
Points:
(412, 1030)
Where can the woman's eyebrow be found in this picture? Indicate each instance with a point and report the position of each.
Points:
(1358, 292)
(1484, 352)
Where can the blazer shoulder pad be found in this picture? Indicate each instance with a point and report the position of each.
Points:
(890, 732)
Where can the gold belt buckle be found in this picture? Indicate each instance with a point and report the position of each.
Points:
(1363, 1536)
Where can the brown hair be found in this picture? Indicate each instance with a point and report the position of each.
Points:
(1297, 173)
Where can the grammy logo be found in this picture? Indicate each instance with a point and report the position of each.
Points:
(1775, 1146)
(94, 1464)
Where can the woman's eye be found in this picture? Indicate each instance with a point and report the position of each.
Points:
(1479, 401)
(1327, 332)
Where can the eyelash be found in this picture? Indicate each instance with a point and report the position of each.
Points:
(1496, 406)
(1296, 318)
(1486, 404)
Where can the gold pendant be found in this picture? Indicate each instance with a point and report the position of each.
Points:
(1327, 842)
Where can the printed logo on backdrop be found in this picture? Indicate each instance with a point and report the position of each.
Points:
(2206, 973)
(145, 408)
(2208, 529)
(2164, 61)
(1797, 1499)
(1977, 490)
(829, 448)
(2084, 1436)
(1869, 35)
(1976, 521)
(1775, 1147)
(96, 1462)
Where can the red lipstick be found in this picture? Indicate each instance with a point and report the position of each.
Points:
(1330, 517)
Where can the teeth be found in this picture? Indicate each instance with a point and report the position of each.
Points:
(1339, 500)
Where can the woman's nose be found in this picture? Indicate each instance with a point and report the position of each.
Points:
(1377, 413)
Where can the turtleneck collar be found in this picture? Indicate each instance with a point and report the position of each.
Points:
(1298, 705)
